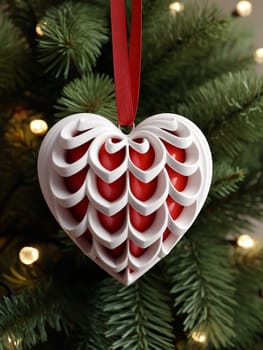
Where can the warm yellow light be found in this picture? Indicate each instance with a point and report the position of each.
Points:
(199, 337)
(12, 344)
(28, 255)
(17, 342)
(176, 6)
(39, 30)
(38, 127)
(258, 55)
(244, 8)
(245, 241)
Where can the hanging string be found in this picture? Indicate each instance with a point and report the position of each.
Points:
(126, 59)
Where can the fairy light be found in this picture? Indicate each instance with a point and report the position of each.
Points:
(176, 6)
(245, 241)
(39, 28)
(11, 343)
(199, 337)
(17, 342)
(244, 8)
(28, 255)
(38, 127)
(258, 55)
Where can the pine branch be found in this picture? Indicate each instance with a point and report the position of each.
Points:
(226, 179)
(157, 31)
(229, 56)
(73, 36)
(19, 189)
(249, 311)
(177, 61)
(164, 33)
(14, 56)
(190, 39)
(62, 302)
(92, 332)
(240, 206)
(23, 15)
(252, 164)
(139, 316)
(16, 322)
(229, 109)
(201, 279)
(91, 93)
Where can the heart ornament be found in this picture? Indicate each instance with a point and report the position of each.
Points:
(125, 199)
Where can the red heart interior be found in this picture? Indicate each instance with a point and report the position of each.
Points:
(112, 191)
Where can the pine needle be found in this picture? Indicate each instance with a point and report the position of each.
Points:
(73, 35)
(14, 56)
(201, 279)
(139, 316)
(28, 315)
(92, 93)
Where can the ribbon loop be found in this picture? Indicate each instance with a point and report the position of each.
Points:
(126, 59)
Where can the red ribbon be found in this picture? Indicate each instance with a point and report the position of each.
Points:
(126, 61)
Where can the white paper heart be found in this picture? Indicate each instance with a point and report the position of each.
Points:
(88, 135)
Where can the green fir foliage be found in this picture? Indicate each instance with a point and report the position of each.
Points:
(225, 180)
(174, 40)
(170, 49)
(23, 15)
(204, 28)
(14, 57)
(26, 317)
(249, 311)
(94, 326)
(73, 35)
(91, 94)
(229, 55)
(139, 317)
(201, 280)
(229, 109)
(240, 207)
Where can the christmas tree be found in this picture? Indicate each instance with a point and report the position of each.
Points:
(56, 60)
